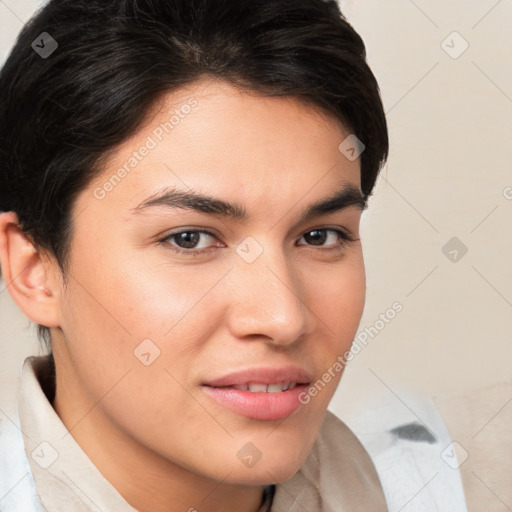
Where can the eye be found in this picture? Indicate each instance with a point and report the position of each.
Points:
(318, 237)
(189, 241)
(192, 242)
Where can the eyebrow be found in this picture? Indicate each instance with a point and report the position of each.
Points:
(189, 200)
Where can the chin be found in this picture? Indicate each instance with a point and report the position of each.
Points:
(278, 467)
(262, 474)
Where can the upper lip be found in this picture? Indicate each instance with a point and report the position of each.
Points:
(263, 375)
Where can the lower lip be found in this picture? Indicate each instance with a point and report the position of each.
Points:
(258, 406)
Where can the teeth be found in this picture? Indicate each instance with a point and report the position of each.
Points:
(258, 388)
(263, 388)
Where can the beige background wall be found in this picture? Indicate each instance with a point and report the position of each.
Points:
(449, 175)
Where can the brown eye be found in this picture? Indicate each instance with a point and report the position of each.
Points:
(319, 237)
(189, 241)
(316, 237)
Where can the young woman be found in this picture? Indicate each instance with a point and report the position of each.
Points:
(182, 183)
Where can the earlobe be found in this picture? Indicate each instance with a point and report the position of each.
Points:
(27, 275)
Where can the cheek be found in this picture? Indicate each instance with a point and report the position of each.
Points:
(351, 290)
(155, 296)
(339, 305)
(134, 295)
(338, 298)
(115, 305)
(133, 339)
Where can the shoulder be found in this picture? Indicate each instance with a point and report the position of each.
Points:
(414, 455)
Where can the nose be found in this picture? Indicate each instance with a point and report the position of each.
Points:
(269, 301)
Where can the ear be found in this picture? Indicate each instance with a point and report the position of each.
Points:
(31, 279)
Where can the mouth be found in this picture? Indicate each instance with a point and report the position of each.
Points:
(262, 393)
(273, 378)
(258, 401)
(255, 387)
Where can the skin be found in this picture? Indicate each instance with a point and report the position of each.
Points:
(155, 435)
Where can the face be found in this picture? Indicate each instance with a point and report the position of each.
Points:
(171, 301)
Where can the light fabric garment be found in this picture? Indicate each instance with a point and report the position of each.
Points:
(413, 452)
(46, 470)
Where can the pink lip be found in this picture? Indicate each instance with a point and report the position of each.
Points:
(262, 375)
(260, 405)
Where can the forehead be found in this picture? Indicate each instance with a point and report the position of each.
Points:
(213, 137)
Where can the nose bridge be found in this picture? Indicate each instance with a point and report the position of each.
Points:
(269, 297)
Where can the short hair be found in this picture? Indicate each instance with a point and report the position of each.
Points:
(61, 115)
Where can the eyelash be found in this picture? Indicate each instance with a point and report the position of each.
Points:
(344, 237)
